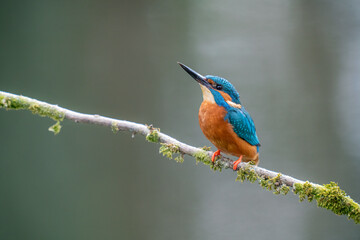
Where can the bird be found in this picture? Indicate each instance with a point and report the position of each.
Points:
(224, 120)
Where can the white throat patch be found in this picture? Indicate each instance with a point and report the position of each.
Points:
(207, 95)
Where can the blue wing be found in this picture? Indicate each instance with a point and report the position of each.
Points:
(243, 125)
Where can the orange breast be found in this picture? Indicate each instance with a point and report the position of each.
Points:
(221, 134)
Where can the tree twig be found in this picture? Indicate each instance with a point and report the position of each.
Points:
(328, 196)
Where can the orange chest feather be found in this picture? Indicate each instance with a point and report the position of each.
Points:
(211, 118)
(220, 132)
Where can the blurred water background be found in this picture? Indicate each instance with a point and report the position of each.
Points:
(296, 65)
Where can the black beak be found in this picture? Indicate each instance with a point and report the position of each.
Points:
(198, 77)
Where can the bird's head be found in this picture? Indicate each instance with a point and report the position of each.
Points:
(215, 89)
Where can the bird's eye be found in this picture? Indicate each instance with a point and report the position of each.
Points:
(218, 87)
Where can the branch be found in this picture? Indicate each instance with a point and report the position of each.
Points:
(328, 196)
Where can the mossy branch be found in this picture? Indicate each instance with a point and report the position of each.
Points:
(328, 196)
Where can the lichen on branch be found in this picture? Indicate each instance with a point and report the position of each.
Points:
(14, 102)
(21, 103)
(153, 135)
(328, 196)
(167, 150)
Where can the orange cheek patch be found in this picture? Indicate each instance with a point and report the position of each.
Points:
(225, 96)
(210, 81)
(229, 100)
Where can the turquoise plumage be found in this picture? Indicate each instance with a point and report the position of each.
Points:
(239, 118)
(243, 125)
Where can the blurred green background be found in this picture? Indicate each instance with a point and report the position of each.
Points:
(296, 65)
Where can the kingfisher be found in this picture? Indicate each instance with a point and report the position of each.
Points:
(224, 120)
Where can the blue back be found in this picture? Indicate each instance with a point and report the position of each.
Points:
(243, 125)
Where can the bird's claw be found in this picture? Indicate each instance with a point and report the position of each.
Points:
(236, 163)
(217, 153)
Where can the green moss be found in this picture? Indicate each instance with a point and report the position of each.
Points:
(153, 135)
(22, 103)
(284, 189)
(14, 103)
(203, 156)
(247, 173)
(271, 184)
(44, 111)
(216, 166)
(329, 196)
(114, 127)
(306, 190)
(179, 159)
(55, 128)
(167, 150)
(206, 148)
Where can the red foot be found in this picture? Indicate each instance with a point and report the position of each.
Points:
(236, 163)
(217, 153)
